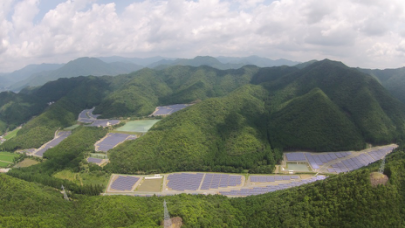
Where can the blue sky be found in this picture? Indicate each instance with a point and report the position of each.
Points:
(365, 33)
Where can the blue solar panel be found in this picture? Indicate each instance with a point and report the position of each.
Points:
(270, 188)
(112, 140)
(297, 156)
(263, 179)
(54, 142)
(87, 116)
(184, 181)
(124, 183)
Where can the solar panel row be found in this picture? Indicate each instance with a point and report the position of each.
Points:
(263, 179)
(317, 160)
(269, 188)
(296, 156)
(360, 161)
(124, 183)
(112, 140)
(54, 142)
(184, 181)
(87, 116)
(215, 181)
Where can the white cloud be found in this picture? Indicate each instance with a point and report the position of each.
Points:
(360, 33)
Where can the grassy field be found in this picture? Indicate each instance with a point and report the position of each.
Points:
(3, 164)
(298, 167)
(151, 185)
(7, 157)
(72, 127)
(138, 126)
(98, 155)
(12, 134)
(26, 163)
(84, 178)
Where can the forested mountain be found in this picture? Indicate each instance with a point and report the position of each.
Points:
(392, 79)
(326, 106)
(344, 200)
(242, 120)
(71, 96)
(148, 88)
(16, 109)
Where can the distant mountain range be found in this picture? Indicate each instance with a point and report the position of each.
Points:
(36, 75)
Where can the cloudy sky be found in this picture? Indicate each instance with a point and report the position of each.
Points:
(365, 33)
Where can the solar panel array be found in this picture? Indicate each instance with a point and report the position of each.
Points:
(104, 123)
(359, 161)
(170, 109)
(54, 142)
(317, 160)
(215, 181)
(87, 116)
(296, 156)
(94, 160)
(263, 179)
(269, 188)
(184, 181)
(112, 140)
(124, 183)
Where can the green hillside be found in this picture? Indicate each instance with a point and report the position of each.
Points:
(256, 113)
(85, 92)
(326, 106)
(69, 155)
(392, 79)
(15, 109)
(313, 121)
(179, 84)
(378, 117)
(219, 134)
(345, 200)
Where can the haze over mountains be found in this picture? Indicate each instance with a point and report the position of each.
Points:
(36, 75)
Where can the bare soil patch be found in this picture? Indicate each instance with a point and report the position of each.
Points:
(177, 222)
(151, 185)
(26, 163)
(377, 178)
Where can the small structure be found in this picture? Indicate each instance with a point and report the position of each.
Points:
(156, 176)
(64, 194)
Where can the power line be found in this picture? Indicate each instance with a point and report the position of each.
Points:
(167, 221)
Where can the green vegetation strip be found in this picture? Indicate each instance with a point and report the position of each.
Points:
(7, 157)
(346, 200)
(12, 134)
(4, 164)
(138, 126)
